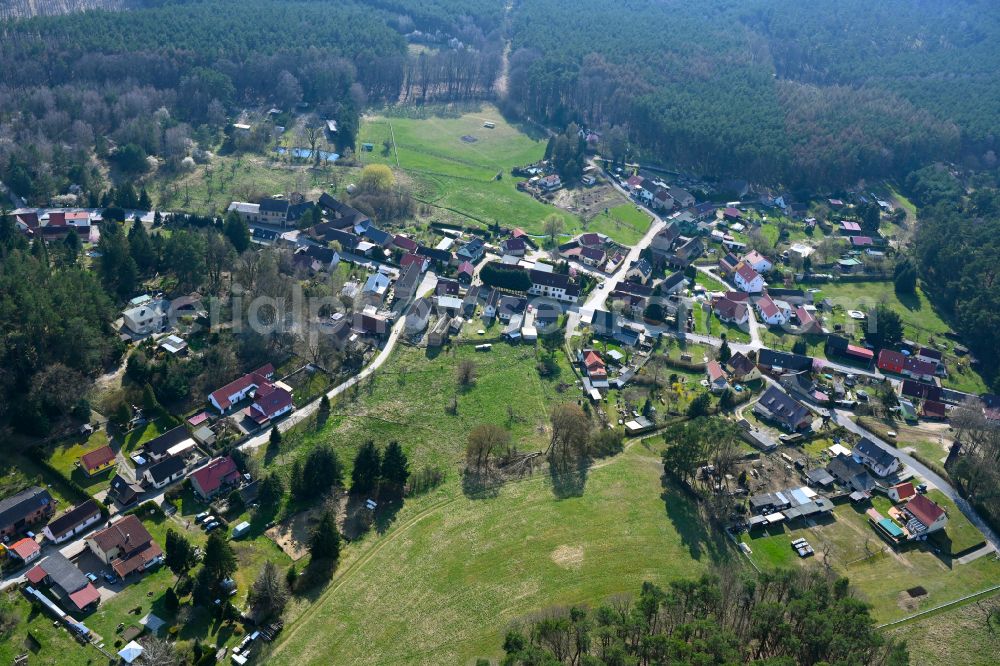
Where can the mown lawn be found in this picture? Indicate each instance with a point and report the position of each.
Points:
(66, 457)
(959, 535)
(444, 584)
(881, 580)
(142, 434)
(625, 223)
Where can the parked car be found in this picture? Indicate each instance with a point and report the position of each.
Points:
(91, 577)
(109, 577)
(200, 518)
(212, 525)
(207, 520)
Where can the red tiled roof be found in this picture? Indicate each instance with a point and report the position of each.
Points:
(405, 242)
(213, 475)
(767, 306)
(254, 378)
(934, 409)
(590, 239)
(732, 212)
(593, 359)
(97, 458)
(466, 267)
(409, 259)
(850, 226)
(85, 596)
(924, 510)
(747, 272)
(30, 220)
(730, 309)
(36, 575)
(861, 241)
(715, 371)
(124, 567)
(271, 399)
(905, 490)
(860, 352)
(57, 219)
(25, 548)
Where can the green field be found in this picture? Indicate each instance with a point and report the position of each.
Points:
(458, 177)
(52, 645)
(442, 586)
(883, 579)
(66, 456)
(407, 401)
(625, 223)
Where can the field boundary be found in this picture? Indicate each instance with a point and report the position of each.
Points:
(939, 607)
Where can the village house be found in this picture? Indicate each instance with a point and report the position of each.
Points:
(841, 346)
(683, 198)
(553, 285)
(760, 263)
(230, 394)
(73, 590)
(149, 317)
(901, 492)
(409, 280)
(877, 459)
(807, 323)
(673, 284)
(640, 271)
(747, 279)
(549, 183)
(73, 522)
(340, 214)
(849, 472)
(778, 407)
(466, 271)
(731, 310)
(778, 362)
(124, 492)
(418, 315)
(742, 369)
(591, 256)
(515, 247)
(662, 244)
(909, 366)
(594, 366)
(26, 550)
(912, 388)
(214, 477)
(375, 288)
(440, 333)
(472, 251)
(24, 509)
(175, 442)
(770, 313)
(248, 212)
(717, 382)
(404, 243)
(728, 264)
(126, 545)
(686, 253)
(164, 472)
(98, 460)
(925, 516)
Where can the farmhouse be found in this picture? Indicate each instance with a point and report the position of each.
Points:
(771, 313)
(213, 477)
(779, 407)
(72, 522)
(98, 460)
(24, 509)
(126, 545)
(878, 460)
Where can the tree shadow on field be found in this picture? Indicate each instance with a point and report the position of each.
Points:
(569, 478)
(481, 484)
(691, 524)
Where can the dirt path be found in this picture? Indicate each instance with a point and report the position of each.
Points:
(502, 79)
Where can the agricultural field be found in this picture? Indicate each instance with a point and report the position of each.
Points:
(466, 568)
(883, 578)
(453, 163)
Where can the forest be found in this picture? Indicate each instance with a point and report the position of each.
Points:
(788, 617)
(814, 94)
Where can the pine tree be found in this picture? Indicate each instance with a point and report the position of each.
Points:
(367, 468)
(219, 560)
(170, 601)
(395, 468)
(274, 440)
(325, 541)
(144, 201)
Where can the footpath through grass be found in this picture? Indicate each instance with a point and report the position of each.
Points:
(444, 584)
